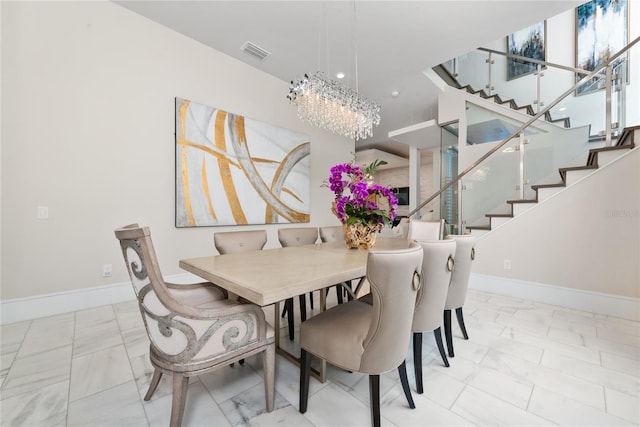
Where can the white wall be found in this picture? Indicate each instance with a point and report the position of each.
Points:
(88, 130)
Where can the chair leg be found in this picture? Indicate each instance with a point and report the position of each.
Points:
(305, 373)
(180, 386)
(402, 371)
(269, 369)
(374, 399)
(417, 360)
(289, 306)
(461, 323)
(284, 309)
(438, 335)
(303, 307)
(447, 331)
(311, 299)
(155, 380)
(339, 291)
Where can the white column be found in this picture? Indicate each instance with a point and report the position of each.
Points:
(414, 179)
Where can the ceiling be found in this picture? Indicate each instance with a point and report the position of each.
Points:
(394, 41)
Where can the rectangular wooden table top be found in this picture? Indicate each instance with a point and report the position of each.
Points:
(272, 275)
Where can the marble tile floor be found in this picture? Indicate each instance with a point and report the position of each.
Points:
(525, 363)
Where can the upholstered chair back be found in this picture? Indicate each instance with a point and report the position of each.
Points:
(297, 236)
(231, 242)
(437, 266)
(426, 230)
(465, 254)
(331, 234)
(395, 278)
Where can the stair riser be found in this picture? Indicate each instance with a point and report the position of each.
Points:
(479, 233)
(606, 157)
(498, 221)
(545, 193)
(519, 208)
(574, 176)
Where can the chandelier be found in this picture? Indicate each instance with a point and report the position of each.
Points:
(327, 104)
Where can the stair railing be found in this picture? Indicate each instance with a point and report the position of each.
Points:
(539, 114)
(611, 70)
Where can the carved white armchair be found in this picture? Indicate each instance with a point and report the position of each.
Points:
(193, 329)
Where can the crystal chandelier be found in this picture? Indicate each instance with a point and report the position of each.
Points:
(327, 104)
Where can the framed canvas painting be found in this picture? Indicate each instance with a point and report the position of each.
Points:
(233, 170)
(529, 42)
(601, 32)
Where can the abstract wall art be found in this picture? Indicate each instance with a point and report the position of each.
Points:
(233, 170)
(529, 42)
(601, 32)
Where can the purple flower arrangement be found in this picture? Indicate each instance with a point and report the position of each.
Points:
(359, 200)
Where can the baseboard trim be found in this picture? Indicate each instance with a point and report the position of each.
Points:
(595, 302)
(20, 309)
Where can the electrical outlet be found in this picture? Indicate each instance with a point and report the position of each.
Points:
(107, 270)
(42, 212)
(507, 264)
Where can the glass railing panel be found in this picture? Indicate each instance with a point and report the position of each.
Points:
(549, 149)
(576, 110)
(511, 171)
(448, 171)
(473, 69)
(486, 188)
(521, 88)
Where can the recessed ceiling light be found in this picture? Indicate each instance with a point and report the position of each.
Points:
(395, 93)
(340, 75)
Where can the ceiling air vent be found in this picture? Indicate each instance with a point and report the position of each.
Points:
(255, 51)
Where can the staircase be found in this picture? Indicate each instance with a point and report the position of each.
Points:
(596, 158)
(527, 109)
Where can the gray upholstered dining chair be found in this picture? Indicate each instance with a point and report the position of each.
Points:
(426, 230)
(193, 329)
(465, 254)
(437, 265)
(372, 339)
(331, 233)
(231, 242)
(297, 236)
(334, 233)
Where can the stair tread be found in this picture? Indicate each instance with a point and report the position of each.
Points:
(522, 201)
(577, 168)
(499, 215)
(612, 148)
(559, 184)
(479, 227)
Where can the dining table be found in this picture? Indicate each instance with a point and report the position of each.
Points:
(270, 276)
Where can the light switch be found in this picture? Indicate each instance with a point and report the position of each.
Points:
(43, 212)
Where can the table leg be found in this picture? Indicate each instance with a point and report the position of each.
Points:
(276, 324)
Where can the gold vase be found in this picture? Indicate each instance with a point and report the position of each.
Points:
(360, 236)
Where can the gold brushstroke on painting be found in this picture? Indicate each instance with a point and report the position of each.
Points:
(185, 176)
(205, 189)
(186, 143)
(225, 171)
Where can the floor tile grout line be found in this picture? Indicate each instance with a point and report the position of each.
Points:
(133, 375)
(11, 365)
